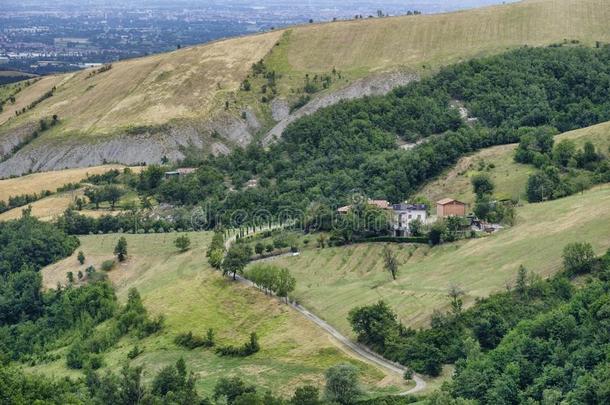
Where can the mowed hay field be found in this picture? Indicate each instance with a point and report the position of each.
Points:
(49, 208)
(37, 182)
(332, 281)
(441, 39)
(509, 177)
(193, 297)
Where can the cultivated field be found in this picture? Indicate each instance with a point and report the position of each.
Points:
(37, 182)
(509, 177)
(193, 297)
(332, 281)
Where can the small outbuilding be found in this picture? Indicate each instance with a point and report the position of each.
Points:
(448, 207)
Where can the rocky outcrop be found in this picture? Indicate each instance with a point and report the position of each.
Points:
(371, 86)
(14, 138)
(216, 137)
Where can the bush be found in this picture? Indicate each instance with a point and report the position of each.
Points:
(134, 352)
(191, 341)
(81, 257)
(95, 361)
(183, 243)
(247, 349)
(107, 265)
(76, 356)
(578, 258)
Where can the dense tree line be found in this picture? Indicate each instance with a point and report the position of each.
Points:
(22, 199)
(74, 223)
(272, 279)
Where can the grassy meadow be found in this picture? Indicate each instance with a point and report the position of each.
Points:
(193, 297)
(509, 177)
(332, 281)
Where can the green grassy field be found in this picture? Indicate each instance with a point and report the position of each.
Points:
(332, 281)
(193, 297)
(194, 83)
(509, 177)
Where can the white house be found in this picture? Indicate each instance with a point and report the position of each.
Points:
(404, 214)
(401, 214)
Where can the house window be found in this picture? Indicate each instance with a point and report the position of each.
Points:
(410, 216)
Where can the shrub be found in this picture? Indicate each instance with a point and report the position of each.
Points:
(134, 352)
(578, 258)
(247, 349)
(81, 257)
(76, 356)
(95, 361)
(191, 341)
(107, 265)
(259, 248)
(183, 243)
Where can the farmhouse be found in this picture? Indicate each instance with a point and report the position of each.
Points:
(402, 215)
(405, 214)
(448, 207)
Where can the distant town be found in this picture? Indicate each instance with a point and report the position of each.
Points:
(69, 34)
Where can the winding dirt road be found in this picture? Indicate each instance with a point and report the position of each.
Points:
(357, 349)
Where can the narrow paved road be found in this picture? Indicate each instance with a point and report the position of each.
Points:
(357, 349)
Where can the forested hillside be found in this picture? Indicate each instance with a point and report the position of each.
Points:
(539, 341)
(352, 147)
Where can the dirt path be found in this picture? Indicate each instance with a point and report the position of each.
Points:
(357, 349)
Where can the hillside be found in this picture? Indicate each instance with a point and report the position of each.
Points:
(193, 297)
(509, 177)
(147, 108)
(332, 281)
